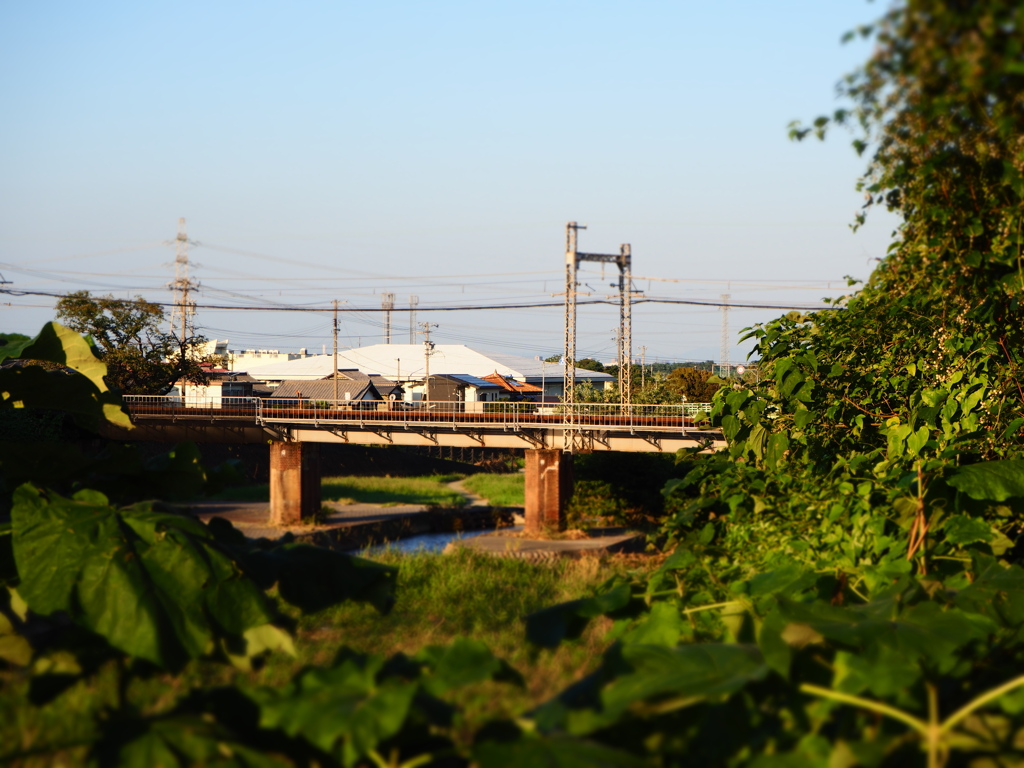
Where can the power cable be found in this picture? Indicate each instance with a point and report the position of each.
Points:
(464, 307)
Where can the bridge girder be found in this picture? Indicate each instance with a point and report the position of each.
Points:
(181, 429)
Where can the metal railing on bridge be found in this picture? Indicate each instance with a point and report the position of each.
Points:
(423, 414)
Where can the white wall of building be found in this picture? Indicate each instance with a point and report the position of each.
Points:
(244, 359)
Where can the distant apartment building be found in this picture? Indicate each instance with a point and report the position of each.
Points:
(243, 359)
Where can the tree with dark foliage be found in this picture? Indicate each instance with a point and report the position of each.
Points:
(141, 358)
(693, 384)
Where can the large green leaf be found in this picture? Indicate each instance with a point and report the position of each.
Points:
(59, 344)
(647, 680)
(37, 388)
(154, 585)
(996, 592)
(87, 396)
(921, 633)
(343, 708)
(990, 480)
(14, 648)
(962, 530)
(548, 627)
(313, 578)
(309, 577)
(363, 703)
(463, 662)
(180, 741)
(774, 645)
(884, 672)
(663, 625)
(684, 674)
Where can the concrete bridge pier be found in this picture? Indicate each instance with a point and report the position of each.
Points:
(548, 489)
(294, 482)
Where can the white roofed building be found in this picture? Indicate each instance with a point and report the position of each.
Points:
(408, 363)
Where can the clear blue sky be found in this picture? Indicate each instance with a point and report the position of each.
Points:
(335, 150)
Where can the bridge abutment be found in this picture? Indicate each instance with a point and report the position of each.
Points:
(548, 488)
(294, 482)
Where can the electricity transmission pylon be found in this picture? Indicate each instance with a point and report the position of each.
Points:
(183, 310)
(387, 303)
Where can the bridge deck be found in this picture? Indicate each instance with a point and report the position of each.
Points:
(601, 426)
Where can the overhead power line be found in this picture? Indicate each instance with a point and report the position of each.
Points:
(460, 307)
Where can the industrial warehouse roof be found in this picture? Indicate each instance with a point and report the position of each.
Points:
(310, 368)
(407, 361)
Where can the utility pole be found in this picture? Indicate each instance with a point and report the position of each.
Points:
(428, 350)
(725, 335)
(387, 303)
(335, 371)
(573, 257)
(413, 302)
(625, 325)
(643, 367)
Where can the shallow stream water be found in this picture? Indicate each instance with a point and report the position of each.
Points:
(429, 542)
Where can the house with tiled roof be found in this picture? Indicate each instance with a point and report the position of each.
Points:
(324, 391)
(453, 387)
(348, 385)
(515, 390)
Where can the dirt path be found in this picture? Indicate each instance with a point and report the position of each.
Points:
(475, 501)
(472, 500)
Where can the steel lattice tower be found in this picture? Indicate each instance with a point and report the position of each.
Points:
(387, 303)
(184, 309)
(623, 260)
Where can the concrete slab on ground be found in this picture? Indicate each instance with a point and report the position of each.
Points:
(252, 518)
(504, 544)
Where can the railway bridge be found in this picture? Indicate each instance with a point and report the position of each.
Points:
(295, 430)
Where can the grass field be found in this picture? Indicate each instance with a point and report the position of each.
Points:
(432, 489)
(499, 490)
(440, 598)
